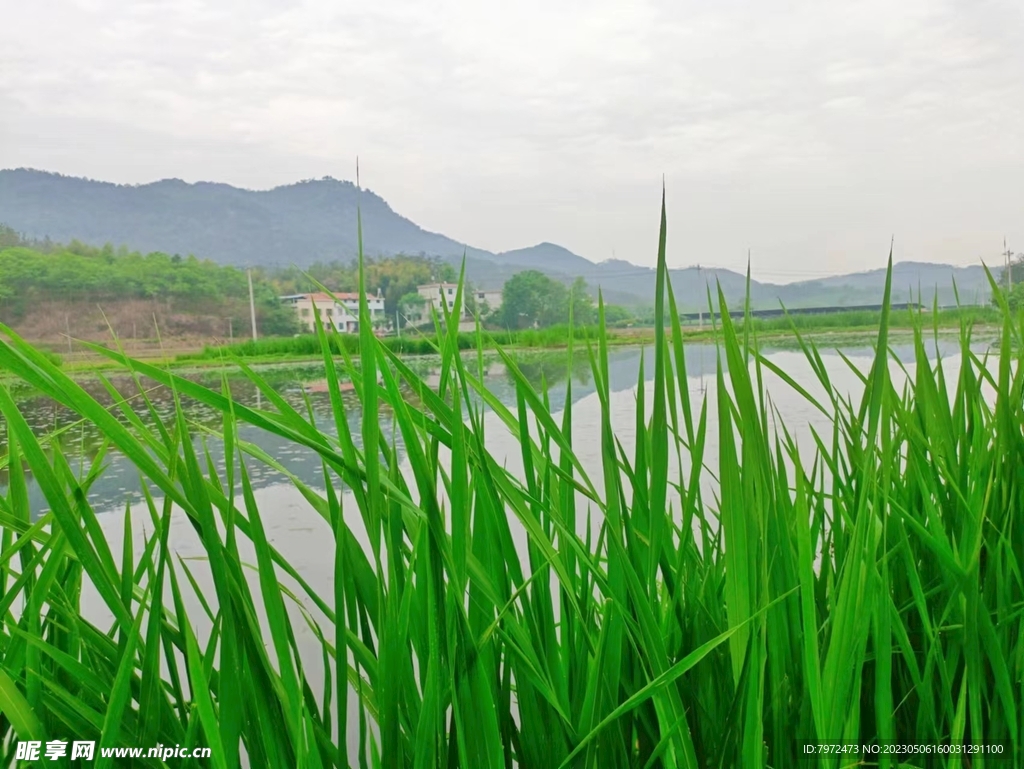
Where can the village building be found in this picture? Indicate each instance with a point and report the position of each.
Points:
(440, 298)
(436, 297)
(490, 297)
(340, 312)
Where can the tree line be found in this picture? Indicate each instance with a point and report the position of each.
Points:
(1011, 279)
(32, 271)
(531, 299)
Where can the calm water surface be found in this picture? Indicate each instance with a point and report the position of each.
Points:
(119, 483)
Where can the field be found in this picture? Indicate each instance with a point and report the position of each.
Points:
(868, 591)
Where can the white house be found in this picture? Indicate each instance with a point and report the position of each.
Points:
(341, 312)
(434, 294)
(490, 296)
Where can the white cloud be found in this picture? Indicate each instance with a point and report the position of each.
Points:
(808, 131)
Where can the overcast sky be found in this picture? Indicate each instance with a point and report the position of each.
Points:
(809, 132)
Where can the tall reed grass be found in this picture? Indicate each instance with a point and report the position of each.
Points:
(869, 590)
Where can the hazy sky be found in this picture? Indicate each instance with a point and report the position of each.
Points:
(810, 132)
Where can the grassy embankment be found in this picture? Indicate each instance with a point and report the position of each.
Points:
(840, 325)
(307, 346)
(868, 591)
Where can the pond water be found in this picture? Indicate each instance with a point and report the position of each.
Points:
(304, 387)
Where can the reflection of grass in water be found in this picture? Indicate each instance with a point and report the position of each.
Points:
(867, 591)
(61, 427)
(548, 368)
(77, 437)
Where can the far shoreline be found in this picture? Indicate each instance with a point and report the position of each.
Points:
(86, 364)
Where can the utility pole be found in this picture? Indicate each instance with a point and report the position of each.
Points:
(699, 305)
(252, 305)
(1009, 267)
(398, 326)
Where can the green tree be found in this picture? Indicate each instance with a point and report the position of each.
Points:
(584, 313)
(617, 316)
(8, 237)
(531, 298)
(1015, 279)
(1016, 271)
(1016, 296)
(410, 307)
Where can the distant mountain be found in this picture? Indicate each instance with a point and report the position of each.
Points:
(298, 223)
(545, 257)
(914, 275)
(315, 220)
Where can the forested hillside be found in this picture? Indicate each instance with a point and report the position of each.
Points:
(47, 290)
(302, 223)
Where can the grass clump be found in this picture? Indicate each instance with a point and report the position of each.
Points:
(869, 319)
(868, 590)
(410, 343)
